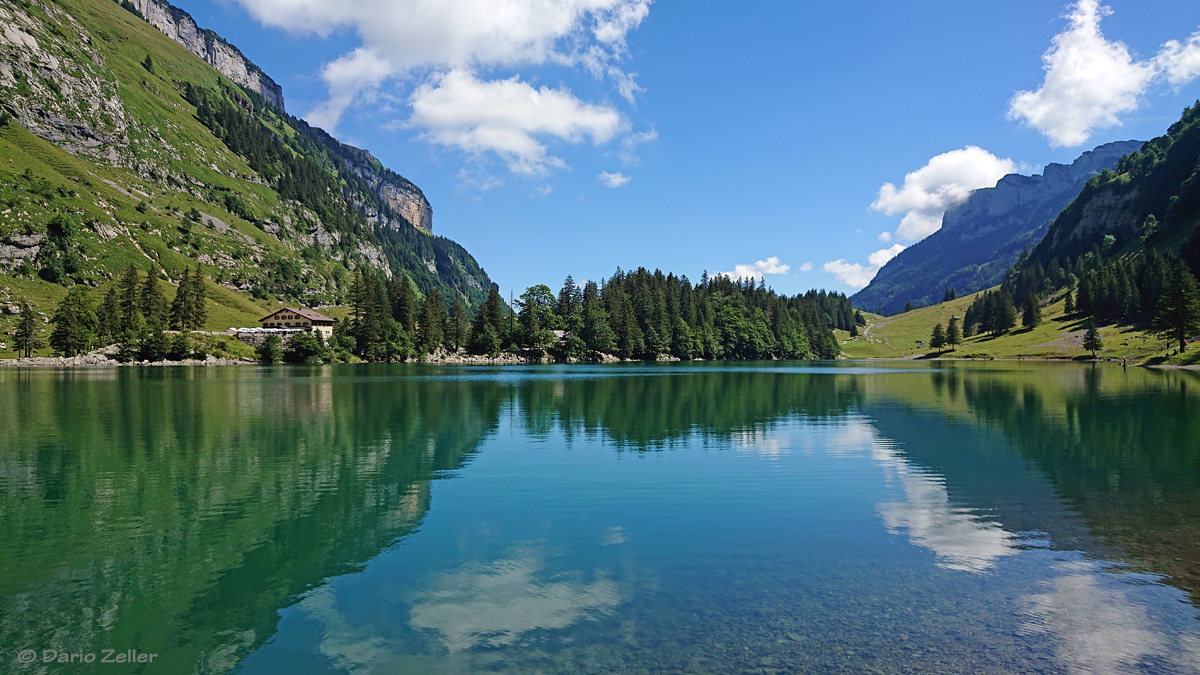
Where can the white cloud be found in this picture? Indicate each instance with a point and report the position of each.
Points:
(806, 267)
(1091, 81)
(857, 275)
(507, 117)
(612, 180)
(758, 269)
(946, 180)
(407, 41)
(1179, 62)
(630, 143)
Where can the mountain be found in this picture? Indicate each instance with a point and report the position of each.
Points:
(1149, 200)
(982, 237)
(129, 135)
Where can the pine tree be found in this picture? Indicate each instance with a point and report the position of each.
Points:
(854, 331)
(429, 328)
(937, 340)
(953, 333)
(129, 297)
(1178, 315)
(1069, 303)
(75, 323)
(908, 307)
(404, 303)
(181, 306)
(859, 318)
(487, 334)
(25, 337)
(597, 334)
(199, 298)
(1092, 341)
(458, 326)
(152, 302)
(109, 315)
(1032, 316)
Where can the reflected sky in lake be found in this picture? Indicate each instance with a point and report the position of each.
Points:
(713, 518)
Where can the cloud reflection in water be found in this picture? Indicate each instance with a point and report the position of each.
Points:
(493, 604)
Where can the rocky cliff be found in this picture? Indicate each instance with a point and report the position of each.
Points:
(1149, 200)
(982, 237)
(54, 82)
(210, 47)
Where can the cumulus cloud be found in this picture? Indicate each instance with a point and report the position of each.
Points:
(857, 275)
(418, 41)
(806, 267)
(1091, 82)
(1179, 62)
(508, 117)
(612, 180)
(758, 269)
(945, 181)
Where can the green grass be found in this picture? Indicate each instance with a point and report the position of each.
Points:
(906, 336)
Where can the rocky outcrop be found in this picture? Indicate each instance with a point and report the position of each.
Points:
(54, 83)
(398, 198)
(210, 47)
(982, 237)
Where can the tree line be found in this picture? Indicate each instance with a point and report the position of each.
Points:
(133, 314)
(638, 315)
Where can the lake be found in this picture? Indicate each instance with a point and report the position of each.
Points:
(663, 518)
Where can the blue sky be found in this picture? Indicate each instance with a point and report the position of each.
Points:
(576, 136)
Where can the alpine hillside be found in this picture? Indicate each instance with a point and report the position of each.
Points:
(130, 136)
(982, 237)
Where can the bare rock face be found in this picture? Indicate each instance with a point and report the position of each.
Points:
(210, 47)
(53, 82)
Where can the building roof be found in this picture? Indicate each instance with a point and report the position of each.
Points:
(306, 313)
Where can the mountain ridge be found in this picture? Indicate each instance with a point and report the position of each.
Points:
(982, 237)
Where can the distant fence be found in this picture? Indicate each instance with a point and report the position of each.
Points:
(256, 336)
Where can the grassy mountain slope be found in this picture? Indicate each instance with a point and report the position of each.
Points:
(99, 138)
(1058, 337)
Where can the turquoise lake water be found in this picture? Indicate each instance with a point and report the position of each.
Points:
(710, 518)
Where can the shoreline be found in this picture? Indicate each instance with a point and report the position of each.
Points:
(100, 359)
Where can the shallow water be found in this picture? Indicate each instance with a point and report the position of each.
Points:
(716, 518)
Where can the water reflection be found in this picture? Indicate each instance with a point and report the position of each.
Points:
(182, 510)
(492, 604)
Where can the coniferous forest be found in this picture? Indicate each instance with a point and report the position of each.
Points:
(638, 315)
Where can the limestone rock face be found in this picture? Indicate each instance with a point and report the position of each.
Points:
(982, 237)
(210, 47)
(54, 83)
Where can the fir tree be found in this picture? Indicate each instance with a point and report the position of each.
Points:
(1069, 303)
(954, 334)
(1178, 315)
(129, 296)
(458, 326)
(404, 303)
(75, 323)
(854, 331)
(429, 328)
(1031, 317)
(1092, 341)
(595, 331)
(199, 298)
(152, 302)
(908, 307)
(25, 337)
(182, 307)
(937, 339)
(109, 315)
